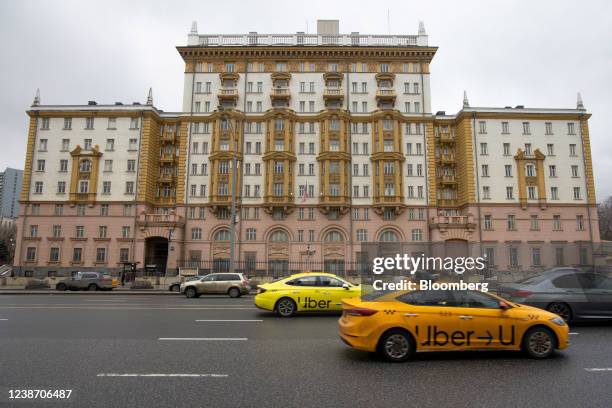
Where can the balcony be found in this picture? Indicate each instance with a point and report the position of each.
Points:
(446, 137)
(447, 179)
(443, 222)
(448, 158)
(166, 178)
(283, 202)
(82, 197)
(160, 220)
(167, 158)
(167, 137)
(280, 93)
(386, 95)
(166, 200)
(333, 93)
(447, 202)
(230, 94)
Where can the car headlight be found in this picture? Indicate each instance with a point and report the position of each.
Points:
(558, 321)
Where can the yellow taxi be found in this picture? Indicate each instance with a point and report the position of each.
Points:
(398, 324)
(305, 292)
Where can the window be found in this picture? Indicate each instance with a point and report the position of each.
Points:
(38, 187)
(576, 193)
(108, 165)
(362, 235)
(334, 236)
(45, 124)
(554, 193)
(514, 256)
(77, 255)
(526, 128)
(42, 145)
(508, 170)
(511, 222)
(559, 256)
(574, 171)
(482, 126)
(505, 128)
(536, 257)
(483, 149)
(125, 232)
(83, 186)
(531, 193)
(59, 209)
(61, 187)
(556, 222)
(133, 123)
(530, 170)
(81, 210)
(552, 170)
(488, 222)
(550, 149)
(57, 231)
(417, 235)
(580, 222)
(131, 165)
(486, 193)
(388, 236)
(572, 149)
(124, 254)
(101, 255)
(40, 165)
(509, 193)
(571, 129)
(54, 254)
(196, 233)
(548, 128)
(528, 149)
(67, 123)
(129, 187)
(63, 165)
(506, 149)
(33, 231)
(534, 223)
(485, 170)
(133, 144)
(89, 123)
(106, 187)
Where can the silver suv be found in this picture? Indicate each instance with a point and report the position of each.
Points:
(87, 281)
(233, 284)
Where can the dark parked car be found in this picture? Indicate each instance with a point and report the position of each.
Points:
(88, 281)
(572, 294)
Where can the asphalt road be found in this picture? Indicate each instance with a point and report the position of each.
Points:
(106, 348)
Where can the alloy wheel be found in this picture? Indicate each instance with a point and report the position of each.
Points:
(397, 346)
(540, 344)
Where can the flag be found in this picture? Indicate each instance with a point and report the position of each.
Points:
(305, 193)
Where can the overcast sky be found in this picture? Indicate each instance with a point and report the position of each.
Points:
(533, 53)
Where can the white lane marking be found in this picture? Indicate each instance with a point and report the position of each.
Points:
(599, 369)
(3, 319)
(228, 320)
(202, 339)
(106, 300)
(162, 375)
(574, 333)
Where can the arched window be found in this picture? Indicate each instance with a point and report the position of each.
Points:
(279, 236)
(334, 236)
(85, 166)
(389, 236)
(222, 235)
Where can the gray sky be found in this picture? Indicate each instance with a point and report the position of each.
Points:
(534, 53)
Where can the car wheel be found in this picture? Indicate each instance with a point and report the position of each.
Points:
(286, 307)
(61, 286)
(562, 309)
(234, 292)
(396, 346)
(175, 288)
(539, 342)
(92, 287)
(190, 292)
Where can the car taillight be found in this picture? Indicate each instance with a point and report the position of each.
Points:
(521, 293)
(360, 311)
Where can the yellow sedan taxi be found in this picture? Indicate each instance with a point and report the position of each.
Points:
(305, 292)
(398, 324)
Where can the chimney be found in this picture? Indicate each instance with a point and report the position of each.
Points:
(328, 27)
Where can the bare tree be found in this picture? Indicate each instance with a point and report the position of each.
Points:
(8, 234)
(604, 210)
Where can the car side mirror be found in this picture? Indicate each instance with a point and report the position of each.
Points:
(503, 305)
(345, 286)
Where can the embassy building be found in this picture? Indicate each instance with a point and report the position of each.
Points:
(318, 143)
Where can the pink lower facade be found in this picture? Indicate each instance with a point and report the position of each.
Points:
(104, 242)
